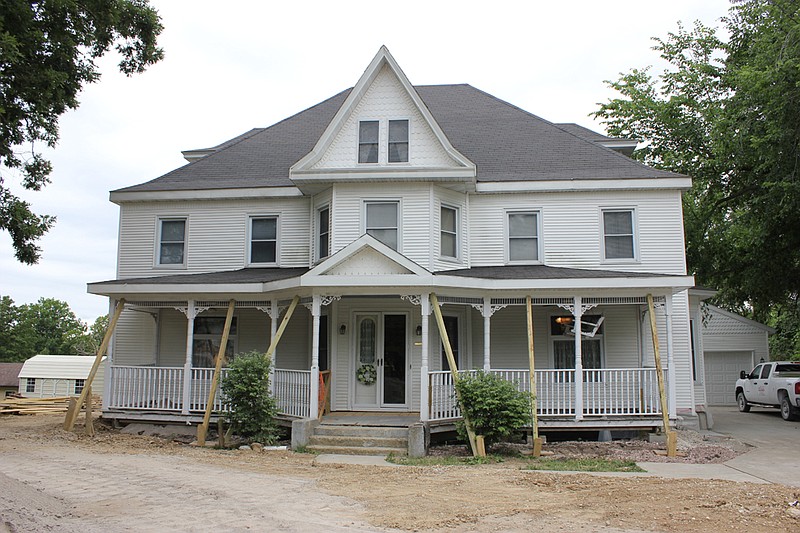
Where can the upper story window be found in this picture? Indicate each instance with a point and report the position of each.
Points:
(368, 133)
(382, 222)
(618, 234)
(448, 232)
(523, 236)
(398, 141)
(323, 232)
(172, 241)
(263, 240)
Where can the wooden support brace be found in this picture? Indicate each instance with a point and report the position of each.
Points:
(72, 415)
(202, 429)
(479, 440)
(88, 428)
(282, 327)
(451, 360)
(532, 376)
(672, 437)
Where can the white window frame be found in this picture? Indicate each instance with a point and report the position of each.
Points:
(399, 228)
(78, 386)
(159, 227)
(389, 142)
(318, 233)
(634, 236)
(249, 241)
(30, 385)
(507, 232)
(359, 143)
(456, 233)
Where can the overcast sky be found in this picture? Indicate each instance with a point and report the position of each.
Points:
(232, 66)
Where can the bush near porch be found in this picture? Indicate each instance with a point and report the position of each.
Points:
(493, 405)
(252, 407)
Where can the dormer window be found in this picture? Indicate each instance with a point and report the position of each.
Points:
(398, 141)
(368, 141)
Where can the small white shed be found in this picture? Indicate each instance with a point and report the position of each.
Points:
(731, 343)
(46, 376)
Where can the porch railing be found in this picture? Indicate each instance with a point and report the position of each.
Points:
(201, 386)
(606, 392)
(292, 391)
(146, 387)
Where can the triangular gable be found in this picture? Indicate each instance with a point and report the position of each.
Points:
(722, 322)
(384, 69)
(367, 256)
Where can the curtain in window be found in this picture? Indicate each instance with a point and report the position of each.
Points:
(564, 353)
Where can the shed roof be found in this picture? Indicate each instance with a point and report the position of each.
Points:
(9, 374)
(57, 366)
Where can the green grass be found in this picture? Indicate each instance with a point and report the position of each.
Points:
(593, 464)
(445, 460)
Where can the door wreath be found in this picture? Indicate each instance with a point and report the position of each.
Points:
(366, 374)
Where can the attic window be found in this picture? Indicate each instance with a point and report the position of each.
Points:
(368, 141)
(398, 141)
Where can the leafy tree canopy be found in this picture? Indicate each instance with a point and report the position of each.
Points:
(48, 50)
(727, 113)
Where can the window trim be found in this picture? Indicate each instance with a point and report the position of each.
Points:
(359, 143)
(249, 241)
(398, 202)
(634, 236)
(159, 228)
(456, 232)
(507, 236)
(389, 142)
(30, 385)
(318, 232)
(78, 385)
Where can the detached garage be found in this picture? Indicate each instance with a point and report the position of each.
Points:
(731, 343)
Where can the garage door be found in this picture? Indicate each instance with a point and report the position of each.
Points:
(722, 371)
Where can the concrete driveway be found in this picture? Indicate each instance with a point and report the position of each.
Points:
(775, 456)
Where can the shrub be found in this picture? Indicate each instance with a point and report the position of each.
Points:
(493, 405)
(252, 407)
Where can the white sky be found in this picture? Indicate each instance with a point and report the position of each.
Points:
(232, 66)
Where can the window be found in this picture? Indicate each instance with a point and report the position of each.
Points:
(562, 333)
(207, 339)
(523, 236)
(263, 240)
(172, 241)
(368, 141)
(398, 141)
(79, 384)
(382, 222)
(448, 229)
(323, 232)
(618, 241)
(30, 385)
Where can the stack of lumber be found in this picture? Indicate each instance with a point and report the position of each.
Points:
(31, 406)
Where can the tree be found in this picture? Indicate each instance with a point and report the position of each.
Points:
(47, 54)
(17, 337)
(727, 113)
(90, 342)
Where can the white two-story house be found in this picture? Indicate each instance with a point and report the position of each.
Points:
(364, 206)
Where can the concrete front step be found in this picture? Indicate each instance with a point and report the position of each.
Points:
(365, 431)
(356, 450)
(359, 441)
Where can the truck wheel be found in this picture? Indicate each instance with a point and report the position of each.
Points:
(741, 401)
(787, 411)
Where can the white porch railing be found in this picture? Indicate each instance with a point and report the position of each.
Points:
(606, 392)
(292, 391)
(146, 387)
(201, 386)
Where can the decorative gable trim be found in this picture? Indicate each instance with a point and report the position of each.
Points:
(336, 264)
(304, 172)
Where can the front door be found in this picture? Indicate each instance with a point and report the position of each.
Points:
(381, 361)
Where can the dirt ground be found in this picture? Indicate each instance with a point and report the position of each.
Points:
(51, 480)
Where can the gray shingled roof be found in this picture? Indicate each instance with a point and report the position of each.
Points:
(542, 272)
(505, 142)
(9, 374)
(244, 275)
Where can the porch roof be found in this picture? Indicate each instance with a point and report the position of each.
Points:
(252, 281)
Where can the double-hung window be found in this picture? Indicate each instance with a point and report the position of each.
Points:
(263, 240)
(30, 385)
(323, 232)
(79, 384)
(448, 232)
(206, 340)
(172, 241)
(368, 133)
(618, 234)
(398, 141)
(382, 222)
(523, 236)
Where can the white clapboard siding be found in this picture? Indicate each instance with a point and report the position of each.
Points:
(571, 228)
(384, 100)
(216, 233)
(135, 339)
(172, 338)
(459, 201)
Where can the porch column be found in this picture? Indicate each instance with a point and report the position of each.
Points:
(672, 401)
(187, 366)
(424, 391)
(315, 313)
(274, 315)
(109, 376)
(578, 313)
(487, 333)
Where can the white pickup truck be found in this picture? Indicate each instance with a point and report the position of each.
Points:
(775, 384)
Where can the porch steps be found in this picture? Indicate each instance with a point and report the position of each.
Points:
(348, 439)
